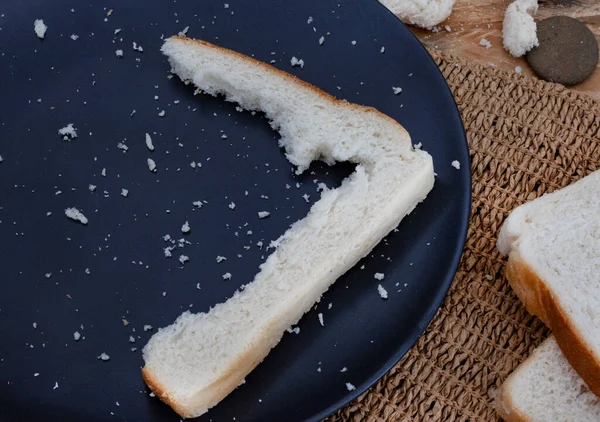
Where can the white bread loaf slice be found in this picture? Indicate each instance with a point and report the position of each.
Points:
(196, 362)
(553, 245)
(545, 388)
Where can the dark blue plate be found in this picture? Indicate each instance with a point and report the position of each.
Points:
(114, 268)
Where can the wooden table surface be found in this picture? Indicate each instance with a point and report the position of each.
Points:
(472, 20)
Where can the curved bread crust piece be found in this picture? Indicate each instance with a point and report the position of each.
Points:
(546, 388)
(539, 301)
(197, 361)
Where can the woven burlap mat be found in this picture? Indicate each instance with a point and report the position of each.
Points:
(526, 138)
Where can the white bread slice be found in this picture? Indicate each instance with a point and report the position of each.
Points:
(196, 362)
(545, 388)
(553, 245)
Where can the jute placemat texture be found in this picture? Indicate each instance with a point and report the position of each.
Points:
(526, 138)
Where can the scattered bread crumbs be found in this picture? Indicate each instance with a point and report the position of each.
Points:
(137, 47)
(186, 227)
(40, 28)
(297, 62)
(382, 292)
(68, 132)
(149, 143)
(151, 165)
(75, 214)
(485, 43)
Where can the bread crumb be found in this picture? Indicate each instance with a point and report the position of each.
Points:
(149, 143)
(456, 164)
(137, 47)
(321, 40)
(184, 32)
(519, 30)
(297, 62)
(382, 292)
(68, 132)
(518, 69)
(186, 227)
(447, 28)
(379, 276)
(55, 386)
(232, 205)
(92, 188)
(310, 20)
(119, 53)
(103, 172)
(485, 43)
(74, 37)
(397, 90)
(382, 50)
(321, 319)
(220, 259)
(353, 42)
(40, 28)
(104, 357)
(147, 327)
(263, 214)
(350, 387)
(76, 336)
(131, 339)
(124, 192)
(151, 165)
(344, 369)
(161, 113)
(75, 214)
(226, 276)
(183, 259)
(197, 204)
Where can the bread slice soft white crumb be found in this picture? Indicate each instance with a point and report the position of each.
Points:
(40, 28)
(545, 388)
(194, 363)
(553, 244)
(423, 13)
(518, 28)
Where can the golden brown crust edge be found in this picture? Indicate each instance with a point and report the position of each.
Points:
(291, 78)
(505, 408)
(161, 392)
(539, 301)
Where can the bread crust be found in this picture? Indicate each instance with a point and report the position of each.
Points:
(505, 408)
(161, 392)
(540, 301)
(291, 78)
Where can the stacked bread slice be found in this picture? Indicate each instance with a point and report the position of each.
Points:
(553, 248)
